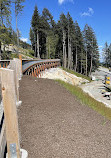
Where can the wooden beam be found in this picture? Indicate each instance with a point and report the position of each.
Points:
(18, 67)
(10, 112)
(20, 57)
(13, 66)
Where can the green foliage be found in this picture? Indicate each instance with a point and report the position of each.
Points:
(91, 46)
(85, 99)
(5, 55)
(107, 55)
(5, 12)
(4, 35)
(18, 6)
(13, 55)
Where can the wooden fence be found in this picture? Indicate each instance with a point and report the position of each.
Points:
(10, 77)
(36, 68)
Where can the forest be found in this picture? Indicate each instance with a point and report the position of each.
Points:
(64, 39)
(78, 50)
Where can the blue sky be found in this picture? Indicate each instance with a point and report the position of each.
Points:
(96, 13)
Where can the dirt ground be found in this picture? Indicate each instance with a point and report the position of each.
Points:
(54, 124)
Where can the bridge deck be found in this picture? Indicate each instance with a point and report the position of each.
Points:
(53, 124)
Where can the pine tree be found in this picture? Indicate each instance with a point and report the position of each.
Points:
(70, 29)
(35, 27)
(106, 53)
(5, 14)
(78, 48)
(62, 26)
(18, 9)
(91, 48)
(31, 34)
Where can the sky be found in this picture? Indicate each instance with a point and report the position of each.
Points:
(96, 13)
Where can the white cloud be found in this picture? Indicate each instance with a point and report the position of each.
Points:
(24, 39)
(62, 1)
(100, 46)
(90, 12)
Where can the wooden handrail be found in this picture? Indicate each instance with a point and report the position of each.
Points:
(10, 94)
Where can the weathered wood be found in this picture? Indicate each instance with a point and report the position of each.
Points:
(13, 66)
(10, 112)
(18, 68)
(20, 57)
(2, 140)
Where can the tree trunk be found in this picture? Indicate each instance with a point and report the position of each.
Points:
(35, 50)
(65, 56)
(68, 49)
(70, 59)
(72, 66)
(86, 60)
(76, 59)
(17, 33)
(91, 65)
(64, 50)
(46, 48)
(38, 54)
(91, 58)
(49, 51)
(81, 61)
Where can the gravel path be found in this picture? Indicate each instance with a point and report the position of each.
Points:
(53, 124)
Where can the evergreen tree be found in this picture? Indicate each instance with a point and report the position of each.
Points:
(91, 49)
(62, 29)
(78, 47)
(5, 14)
(18, 9)
(35, 27)
(70, 37)
(107, 54)
(31, 38)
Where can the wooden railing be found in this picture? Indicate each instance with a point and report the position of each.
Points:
(4, 63)
(10, 97)
(35, 68)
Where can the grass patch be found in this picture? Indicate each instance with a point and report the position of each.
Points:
(85, 99)
(77, 74)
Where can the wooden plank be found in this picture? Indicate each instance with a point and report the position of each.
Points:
(10, 112)
(2, 141)
(20, 57)
(18, 67)
(13, 66)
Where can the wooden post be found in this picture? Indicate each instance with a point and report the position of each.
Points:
(10, 112)
(13, 66)
(20, 57)
(18, 68)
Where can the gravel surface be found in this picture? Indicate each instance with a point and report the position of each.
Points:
(54, 124)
